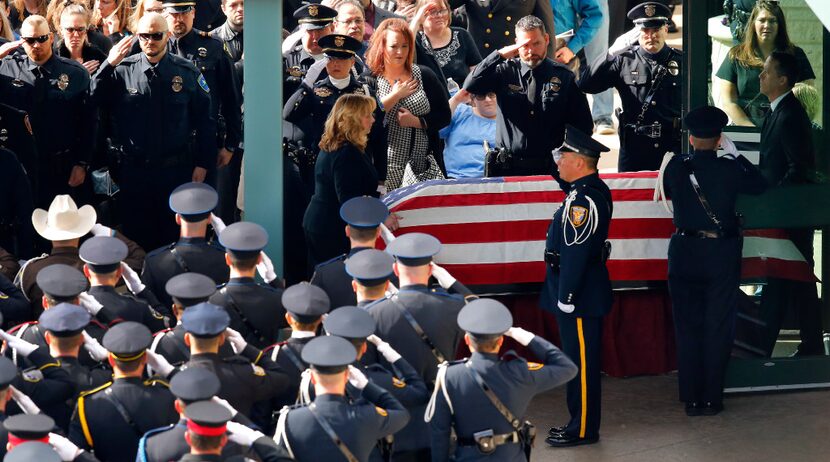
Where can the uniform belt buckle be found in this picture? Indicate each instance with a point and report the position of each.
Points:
(654, 130)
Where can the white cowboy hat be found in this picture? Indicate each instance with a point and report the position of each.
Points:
(64, 220)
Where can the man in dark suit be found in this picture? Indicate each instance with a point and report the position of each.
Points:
(491, 22)
(787, 158)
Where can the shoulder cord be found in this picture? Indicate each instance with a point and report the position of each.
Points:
(589, 228)
(281, 435)
(303, 394)
(440, 384)
(659, 188)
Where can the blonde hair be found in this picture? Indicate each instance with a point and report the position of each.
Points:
(136, 15)
(57, 10)
(122, 12)
(344, 123)
(6, 25)
(808, 96)
(21, 9)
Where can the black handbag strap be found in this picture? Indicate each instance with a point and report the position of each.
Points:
(332, 434)
(122, 411)
(503, 410)
(232, 303)
(179, 259)
(418, 330)
(700, 197)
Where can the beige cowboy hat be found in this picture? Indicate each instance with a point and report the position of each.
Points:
(64, 220)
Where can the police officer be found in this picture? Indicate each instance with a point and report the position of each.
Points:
(705, 256)
(21, 428)
(536, 96)
(316, 22)
(332, 427)
(157, 101)
(577, 288)
(16, 231)
(111, 419)
(231, 33)
(193, 204)
(370, 271)
(256, 309)
(363, 217)
(648, 78)
(209, 15)
(13, 303)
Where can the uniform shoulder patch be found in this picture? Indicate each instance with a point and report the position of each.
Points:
(534, 366)
(203, 83)
(32, 375)
(95, 390)
(398, 383)
(3, 295)
(578, 215)
(381, 411)
(258, 370)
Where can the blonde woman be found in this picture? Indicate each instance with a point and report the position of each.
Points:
(22, 9)
(111, 18)
(6, 32)
(74, 24)
(343, 171)
(143, 7)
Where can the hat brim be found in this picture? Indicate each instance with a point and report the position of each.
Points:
(86, 220)
(313, 26)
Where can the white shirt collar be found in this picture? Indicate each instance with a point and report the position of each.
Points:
(340, 83)
(302, 334)
(776, 101)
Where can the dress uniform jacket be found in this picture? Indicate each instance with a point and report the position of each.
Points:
(32, 333)
(633, 73)
(170, 344)
(492, 22)
(209, 15)
(13, 303)
(118, 308)
(100, 421)
(234, 45)
(531, 132)
(787, 155)
(84, 378)
(288, 356)
(295, 65)
(331, 276)
(512, 379)
(16, 232)
(256, 310)
(167, 443)
(16, 135)
(45, 381)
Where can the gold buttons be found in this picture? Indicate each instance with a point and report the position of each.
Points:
(507, 33)
(486, 45)
(490, 15)
(487, 30)
(508, 18)
(531, 112)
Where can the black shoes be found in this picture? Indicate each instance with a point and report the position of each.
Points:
(556, 431)
(563, 440)
(712, 408)
(694, 408)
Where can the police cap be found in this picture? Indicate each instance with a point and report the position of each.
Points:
(370, 267)
(126, 341)
(329, 354)
(195, 384)
(61, 281)
(350, 322)
(581, 143)
(305, 302)
(207, 418)
(103, 254)
(244, 239)
(188, 289)
(205, 320)
(363, 212)
(414, 249)
(650, 15)
(705, 122)
(64, 320)
(8, 372)
(178, 6)
(32, 450)
(339, 46)
(193, 201)
(484, 318)
(29, 427)
(313, 16)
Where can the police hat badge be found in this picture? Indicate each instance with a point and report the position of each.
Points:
(650, 10)
(177, 84)
(312, 10)
(63, 82)
(202, 52)
(673, 67)
(339, 41)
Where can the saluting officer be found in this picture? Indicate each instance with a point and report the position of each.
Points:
(316, 22)
(332, 427)
(26, 431)
(536, 98)
(577, 288)
(371, 271)
(648, 78)
(363, 217)
(705, 257)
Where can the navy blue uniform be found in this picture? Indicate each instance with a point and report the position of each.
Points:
(84, 378)
(255, 309)
(170, 344)
(704, 272)
(119, 307)
(288, 356)
(16, 232)
(580, 278)
(331, 276)
(167, 443)
(209, 15)
(13, 304)
(234, 45)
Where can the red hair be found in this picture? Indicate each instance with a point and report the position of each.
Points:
(377, 45)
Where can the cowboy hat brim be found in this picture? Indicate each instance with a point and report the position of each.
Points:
(86, 220)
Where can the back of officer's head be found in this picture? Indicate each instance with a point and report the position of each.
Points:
(366, 236)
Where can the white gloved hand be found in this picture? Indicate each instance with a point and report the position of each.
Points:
(384, 348)
(96, 351)
(520, 335)
(23, 347)
(235, 339)
(386, 235)
(265, 268)
(728, 147)
(65, 448)
(443, 276)
(566, 308)
(101, 230)
(391, 290)
(159, 364)
(357, 378)
(242, 435)
(24, 402)
(89, 303)
(226, 405)
(131, 279)
(625, 41)
(382, 190)
(217, 223)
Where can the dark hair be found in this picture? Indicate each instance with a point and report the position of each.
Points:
(529, 23)
(484, 343)
(786, 64)
(362, 234)
(243, 264)
(205, 443)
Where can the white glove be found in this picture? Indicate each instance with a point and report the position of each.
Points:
(386, 235)
(382, 190)
(89, 303)
(357, 378)
(443, 276)
(65, 448)
(132, 279)
(728, 147)
(226, 405)
(391, 290)
(520, 335)
(101, 230)
(242, 435)
(96, 351)
(24, 402)
(625, 41)
(566, 308)
(384, 348)
(23, 347)
(159, 363)
(217, 223)
(265, 268)
(235, 339)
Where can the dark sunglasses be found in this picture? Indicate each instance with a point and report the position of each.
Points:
(155, 36)
(32, 40)
(76, 30)
(491, 95)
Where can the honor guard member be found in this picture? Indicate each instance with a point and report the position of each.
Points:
(483, 398)
(371, 271)
(333, 427)
(13, 304)
(255, 309)
(316, 22)
(110, 420)
(23, 430)
(536, 98)
(54, 91)
(103, 256)
(705, 256)
(363, 217)
(396, 376)
(32, 450)
(192, 204)
(249, 376)
(161, 130)
(648, 78)
(577, 288)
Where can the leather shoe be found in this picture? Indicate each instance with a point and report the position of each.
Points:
(711, 408)
(556, 431)
(563, 440)
(694, 408)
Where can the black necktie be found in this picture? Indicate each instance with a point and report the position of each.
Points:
(41, 84)
(531, 89)
(174, 46)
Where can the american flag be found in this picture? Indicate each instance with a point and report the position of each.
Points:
(493, 230)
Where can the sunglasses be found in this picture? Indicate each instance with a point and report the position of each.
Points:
(155, 36)
(490, 95)
(74, 30)
(32, 40)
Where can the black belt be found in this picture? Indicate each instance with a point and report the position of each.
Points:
(498, 440)
(706, 234)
